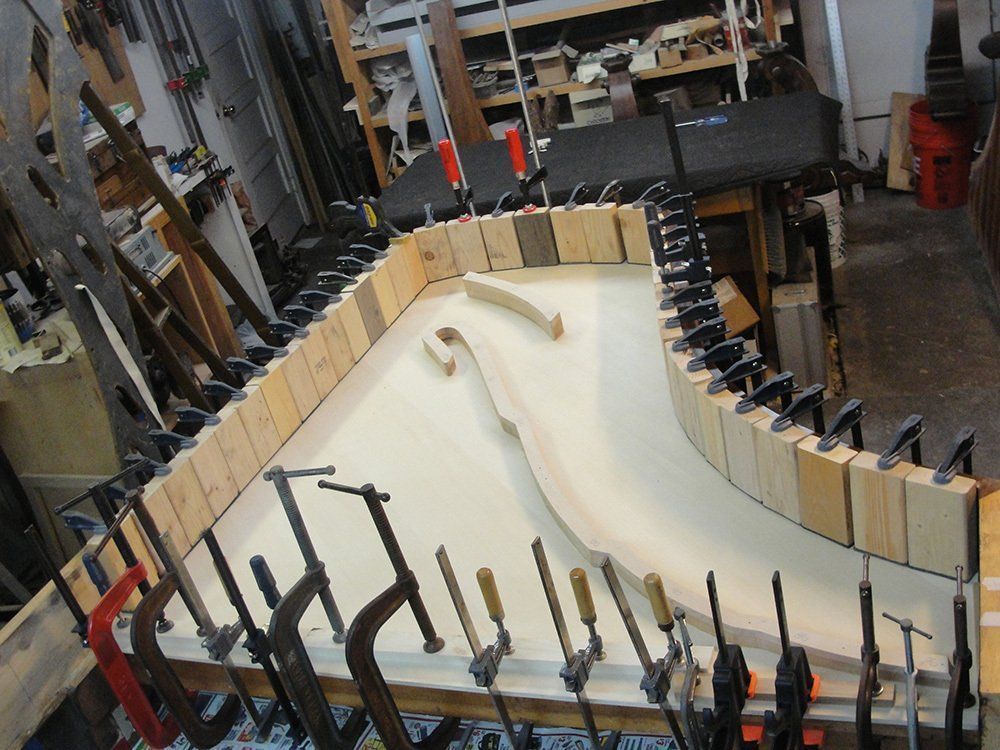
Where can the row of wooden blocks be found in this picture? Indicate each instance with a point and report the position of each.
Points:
(206, 479)
(899, 514)
(543, 237)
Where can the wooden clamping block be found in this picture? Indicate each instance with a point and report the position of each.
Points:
(941, 523)
(683, 385)
(435, 252)
(236, 444)
(212, 469)
(367, 299)
(407, 247)
(399, 274)
(188, 500)
(162, 510)
(635, 235)
(468, 247)
(502, 245)
(738, 434)
(778, 467)
(385, 292)
(534, 234)
(278, 395)
(604, 236)
(335, 337)
(825, 489)
(571, 239)
(259, 425)
(318, 359)
(354, 327)
(709, 407)
(300, 380)
(878, 505)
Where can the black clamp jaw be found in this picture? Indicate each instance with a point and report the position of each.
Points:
(146, 468)
(723, 353)
(505, 201)
(301, 315)
(959, 452)
(353, 266)
(691, 271)
(751, 367)
(689, 294)
(261, 354)
(810, 401)
(848, 418)
(795, 685)
(696, 313)
(780, 386)
(580, 191)
(245, 368)
(335, 279)
(191, 419)
(654, 230)
(611, 192)
(652, 194)
(286, 331)
(367, 253)
(317, 299)
(171, 440)
(525, 186)
(219, 390)
(907, 436)
(706, 335)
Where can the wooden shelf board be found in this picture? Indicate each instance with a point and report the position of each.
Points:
(692, 66)
(518, 23)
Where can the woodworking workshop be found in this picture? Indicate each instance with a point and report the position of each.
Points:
(499, 375)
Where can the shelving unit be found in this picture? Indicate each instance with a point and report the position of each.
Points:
(340, 14)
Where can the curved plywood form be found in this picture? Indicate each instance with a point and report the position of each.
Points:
(585, 529)
(535, 308)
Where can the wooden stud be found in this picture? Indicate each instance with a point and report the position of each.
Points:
(635, 236)
(435, 252)
(313, 346)
(371, 313)
(777, 467)
(467, 246)
(534, 234)
(189, 501)
(878, 505)
(213, 472)
(825, 489)
(738, 431)
(236, 445)
(259, 426)
(399, 275)
(604, 236)
(407, 245)
(354, 327)
(385, 293)
(295, 368)
(502, 245)
(941, 523)
(571, 239)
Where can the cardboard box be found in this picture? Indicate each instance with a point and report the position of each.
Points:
(738, 312)
(551, 67)
(669, 57)
(591, 107)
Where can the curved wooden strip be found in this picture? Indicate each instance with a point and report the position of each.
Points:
(586, 532)
(522, 301)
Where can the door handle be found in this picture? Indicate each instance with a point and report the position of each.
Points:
(228, 111)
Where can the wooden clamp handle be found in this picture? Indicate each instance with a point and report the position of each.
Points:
(584, 599)
(491, 596)
(658, 600)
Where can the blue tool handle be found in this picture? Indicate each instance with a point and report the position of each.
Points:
(97, 574)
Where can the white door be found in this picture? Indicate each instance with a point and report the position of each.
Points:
(248, 123)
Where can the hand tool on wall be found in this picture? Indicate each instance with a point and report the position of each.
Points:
(960, 696)
(907, 437)
(280, 476)
(463, 195)
(656, 674)
(486, 662)
(732, 684)
(257, 644)
(576, 671)
(515, 60)
(869, 686)
(524, 183)
(780, 387)
(293, 659)
(912, 721)
(810, 401)
(752, 367)
(848, 418)
(795, 688)
(95, 632)
(374, 501)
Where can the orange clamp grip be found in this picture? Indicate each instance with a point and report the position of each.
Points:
(516, 151)
(449, 161)
(814, 693)
(752, 687)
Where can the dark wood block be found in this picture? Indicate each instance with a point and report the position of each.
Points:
(538, 243)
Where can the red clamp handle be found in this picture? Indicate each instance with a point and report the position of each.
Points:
(115, 666)
(516, 151)
(449, 161)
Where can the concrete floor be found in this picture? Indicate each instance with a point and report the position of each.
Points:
(920, 326)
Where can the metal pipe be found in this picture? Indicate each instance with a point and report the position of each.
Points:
(440, 95)
(508, 33)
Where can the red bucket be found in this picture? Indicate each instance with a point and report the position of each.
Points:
(942, 156)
